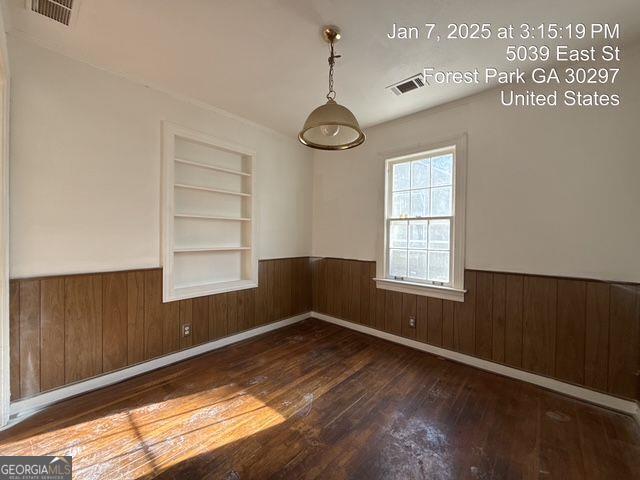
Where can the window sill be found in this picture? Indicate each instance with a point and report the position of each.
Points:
(446, 293)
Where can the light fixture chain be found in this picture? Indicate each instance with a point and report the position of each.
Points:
(332, 61)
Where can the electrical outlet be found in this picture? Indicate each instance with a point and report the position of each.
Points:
(186, 329)
(412, 322)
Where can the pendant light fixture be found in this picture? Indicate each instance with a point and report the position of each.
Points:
(331, 126)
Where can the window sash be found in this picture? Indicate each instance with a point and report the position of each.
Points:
(407, 249)
(388, 218)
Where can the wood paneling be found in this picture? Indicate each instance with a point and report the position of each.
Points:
(596, 349)
(29, 337)
(200, 319)
(464, 318)
(498, 317)
(514, 285)
(570, 332)
(408, 311)
(114, 320)
(14, 338)
(539, 324)
(484, 315)
(153, 327)
(52, 333)
(82, 327)
(65, 329)
(624, 351)
(582, 332)
(69, 328)
(135, 317)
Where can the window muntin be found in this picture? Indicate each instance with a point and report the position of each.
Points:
(420, 218)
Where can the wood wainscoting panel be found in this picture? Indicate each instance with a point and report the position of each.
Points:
(82, 326)
(69, 328)
(52, 333)
(579, 331)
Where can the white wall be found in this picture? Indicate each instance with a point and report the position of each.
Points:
(85, 169)
(549, 191)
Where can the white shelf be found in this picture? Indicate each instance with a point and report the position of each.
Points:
(209, 249)
(213, 190)
(212, 217)
(212, 167)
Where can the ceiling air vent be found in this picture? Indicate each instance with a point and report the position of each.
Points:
(58, 10)
(407, 85)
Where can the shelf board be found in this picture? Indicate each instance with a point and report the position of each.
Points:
(209, 249)
(213, 190)
(212, 217)
(212, 167)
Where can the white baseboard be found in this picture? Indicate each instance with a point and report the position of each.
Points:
(21, 409)
(609, 401)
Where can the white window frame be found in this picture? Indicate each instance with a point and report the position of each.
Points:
(454, 290)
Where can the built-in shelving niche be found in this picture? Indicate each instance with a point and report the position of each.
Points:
(209, 224)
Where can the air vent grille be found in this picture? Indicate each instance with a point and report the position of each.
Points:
(407, 85)
(58, 10)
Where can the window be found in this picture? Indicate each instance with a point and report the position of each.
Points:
(424, 223)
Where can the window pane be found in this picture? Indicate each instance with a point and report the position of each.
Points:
(442, 170)
(398, 235)
(441, 201)
(439, 235)
(398, 263)
(420, 203)
(401, 176)
(400, 205)
(418, 264)
(439, 267)
(418, 234)
(420, 174)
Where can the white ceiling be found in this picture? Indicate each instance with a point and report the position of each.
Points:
(264, 59)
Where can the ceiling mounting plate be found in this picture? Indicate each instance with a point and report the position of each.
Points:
(331, 33)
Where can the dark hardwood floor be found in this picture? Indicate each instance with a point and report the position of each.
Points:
(316, 400)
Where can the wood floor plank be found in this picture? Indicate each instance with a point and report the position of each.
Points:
(315, 400)
(52, 333)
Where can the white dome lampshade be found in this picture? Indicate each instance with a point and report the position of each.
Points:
(331, 127)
